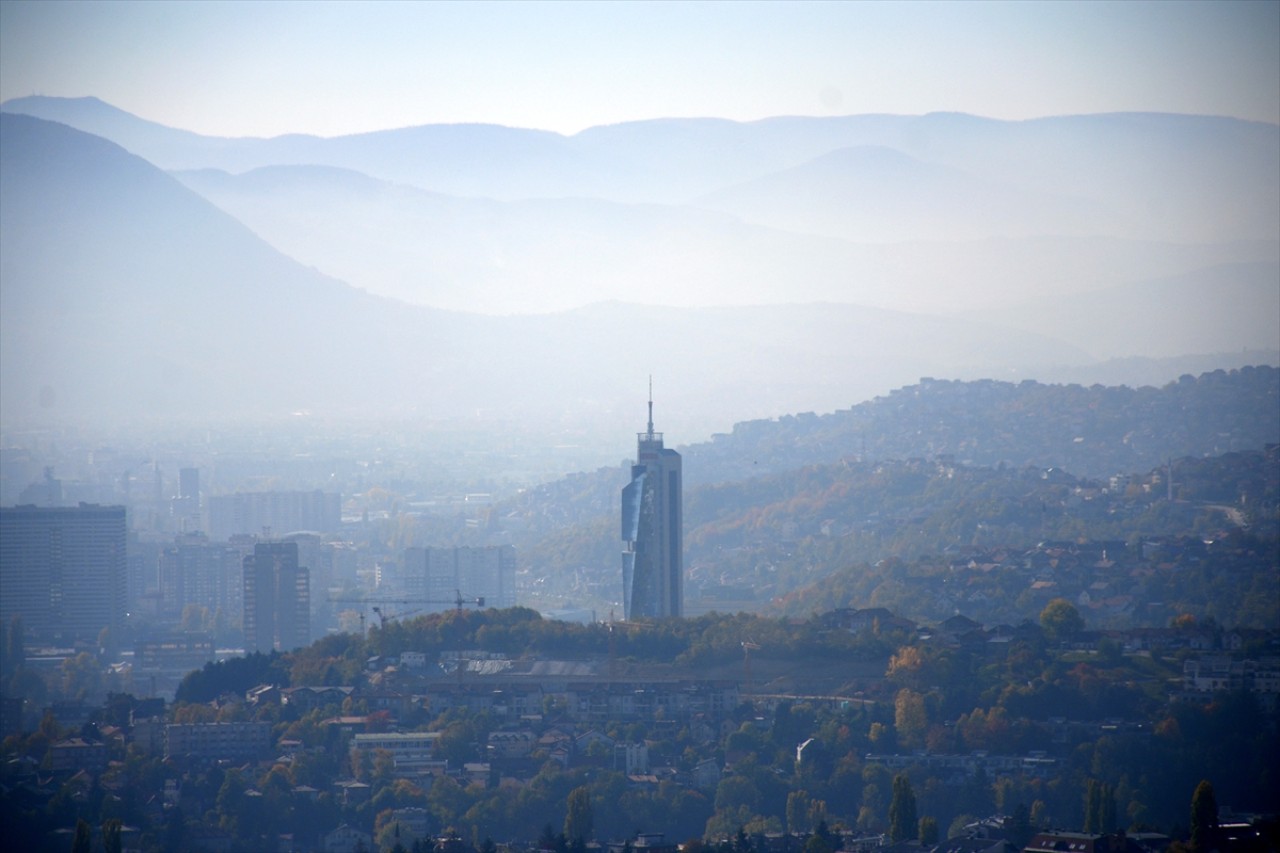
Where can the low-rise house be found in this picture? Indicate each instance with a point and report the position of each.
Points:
(306, 699)
(1081, 842)
(76, 753)
(349, 792)
(346, 839)
(516, 744)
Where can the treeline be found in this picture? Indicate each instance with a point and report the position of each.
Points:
(519, 632)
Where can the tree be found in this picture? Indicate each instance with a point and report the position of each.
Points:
(902, 810)
(1204, 817)
(82, 842)
(928, 831)
(579, 818)
(1060, 620)
(1020, 826)
(1092, 807)
(1107, 809)
(82, 677)
(112, 841)
(909, 718)
(797, 812)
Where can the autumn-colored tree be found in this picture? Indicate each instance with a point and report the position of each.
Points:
(910, 719)
(928, 831)
(1060, 620)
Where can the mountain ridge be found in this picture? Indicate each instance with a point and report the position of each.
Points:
(158, 304)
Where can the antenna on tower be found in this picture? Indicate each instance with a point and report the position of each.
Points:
(650, 404)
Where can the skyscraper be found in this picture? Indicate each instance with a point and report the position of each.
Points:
(63, 569)
(652, 530)
(277, 598)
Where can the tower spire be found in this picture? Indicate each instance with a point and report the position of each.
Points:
(651, 405)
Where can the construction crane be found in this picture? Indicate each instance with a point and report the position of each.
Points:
(382, 616)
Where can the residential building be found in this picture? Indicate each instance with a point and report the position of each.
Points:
(196, 571)
(433, 578)
(184, 508)
(652, 530)
(346, 839)
(413, 752)
(73, 754)
(63, 569)
(215, 741)
(278, 512)
(1058, 841)
(277, 598)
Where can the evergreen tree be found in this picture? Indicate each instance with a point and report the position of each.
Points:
(902, 810)
(1204, 817)
(1020, 826)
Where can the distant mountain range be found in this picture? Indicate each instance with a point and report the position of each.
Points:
(804, 264)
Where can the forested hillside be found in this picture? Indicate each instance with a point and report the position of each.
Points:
(1092, 432)
(940, 471)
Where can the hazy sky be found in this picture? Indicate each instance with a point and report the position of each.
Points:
(240, 68)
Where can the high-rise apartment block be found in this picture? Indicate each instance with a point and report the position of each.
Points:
(436, 576)
(63, 569)
(185, 506)
(278, 512)
(196, 571)
(652, 530)
(277, 598)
